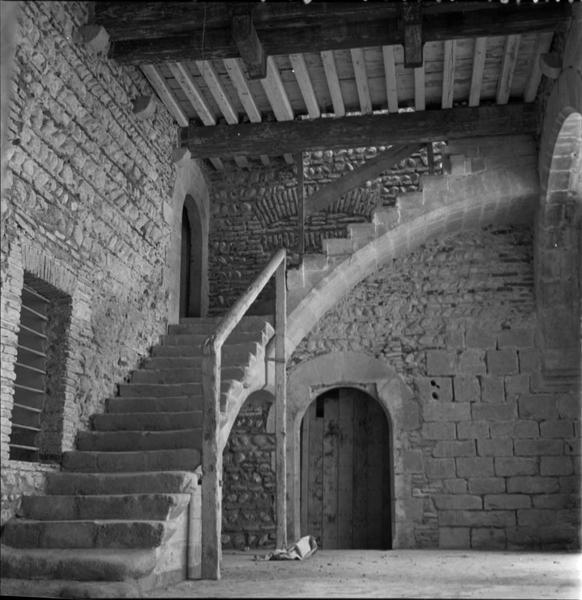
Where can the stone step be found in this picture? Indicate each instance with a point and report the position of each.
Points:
(314, 262)
(172, 362)
(153, 482)
(247, 320)
(230, 352)
(247, 324)
(27, 533)
(156, 420)
(67, 588)
(337, 246)
(386, 218)
(163, 390)
(194, 339)
(171, 404)
(157, 507)
(193, 375)
(183, 459)
(121, 441)
(92, 564)
(361, 231)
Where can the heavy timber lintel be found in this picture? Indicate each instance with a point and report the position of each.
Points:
(274, 139)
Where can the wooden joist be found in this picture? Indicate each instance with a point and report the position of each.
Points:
(305, 85)
(331, 192)
(479, 53)
(359, 64)
(161, 87)
(507, 68)
(349, 132)
(448, 74)
(152, 32)
(183, 76)
(335, 90)
(419, 89)
(543, 44)
(390, 75)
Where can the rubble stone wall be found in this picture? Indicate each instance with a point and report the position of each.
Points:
(82, 209)
(254, 213)
(493, 461)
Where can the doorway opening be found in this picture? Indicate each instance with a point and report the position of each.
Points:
(191, 261)
(345, 471)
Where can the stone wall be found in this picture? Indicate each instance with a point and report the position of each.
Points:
(490, 461)
(248, 499)
(82, 209)
(254, 213)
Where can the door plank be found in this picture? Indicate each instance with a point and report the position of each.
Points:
(315, 477)
(305, 465)
(360, 474)
(330, 463)
(345, 468)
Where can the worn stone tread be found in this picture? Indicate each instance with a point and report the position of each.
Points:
(160, 507)
(174, 481)
(128, 440)
(157, 417)
(92, 564)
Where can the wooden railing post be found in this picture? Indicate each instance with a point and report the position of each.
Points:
(211, 463)
(281, 404)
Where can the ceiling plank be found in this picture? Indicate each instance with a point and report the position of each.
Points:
(251, 50)
(215, 88)
(192, 91)
(448, 74)
(419, 91)
(177, 35)
(273, 138)
(161, 87)
(479, 54)
(241, 161)
(413, 42)
(335, 90)
(507, 68)
(372, 168)
(359, 63)
(305, 85)
(217, 164)
(390, 74)
(544, 41)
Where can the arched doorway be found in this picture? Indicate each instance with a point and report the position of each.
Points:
(190, 261)
(345, 471)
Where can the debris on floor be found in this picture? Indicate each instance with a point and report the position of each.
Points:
(301, 550)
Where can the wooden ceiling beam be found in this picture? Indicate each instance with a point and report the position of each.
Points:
(479, 53)
(419, 89)
(372, 168)
(147, 33)
(215, 88)
(413, 42)
(333, 83)
(348, 132)
(247, 41)
(544, 42)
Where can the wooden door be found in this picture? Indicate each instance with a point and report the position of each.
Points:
(345, 471)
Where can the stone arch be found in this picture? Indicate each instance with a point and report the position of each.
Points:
(510, 201)
(362, 371)
(558, 220)
(191, 193)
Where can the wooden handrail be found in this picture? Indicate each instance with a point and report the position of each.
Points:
(235, 314)
(211, 447)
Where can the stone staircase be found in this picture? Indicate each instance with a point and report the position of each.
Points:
(123, 516)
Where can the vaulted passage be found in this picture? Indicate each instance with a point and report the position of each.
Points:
(345, 471)
(190, 261)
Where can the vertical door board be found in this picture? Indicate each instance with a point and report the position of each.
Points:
(345, 468)
(330, 470)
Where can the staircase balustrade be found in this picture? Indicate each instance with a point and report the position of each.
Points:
(211, 444)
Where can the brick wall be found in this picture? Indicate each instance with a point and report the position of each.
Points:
(493, 463)
(254, 213)
(81, 209)
(248, 497)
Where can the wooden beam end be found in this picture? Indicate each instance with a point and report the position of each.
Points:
(181, 155)
(551, 65)
(95, 38)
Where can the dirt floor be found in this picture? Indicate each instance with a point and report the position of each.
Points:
(393, 574)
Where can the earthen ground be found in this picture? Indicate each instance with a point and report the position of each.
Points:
(393, 574)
